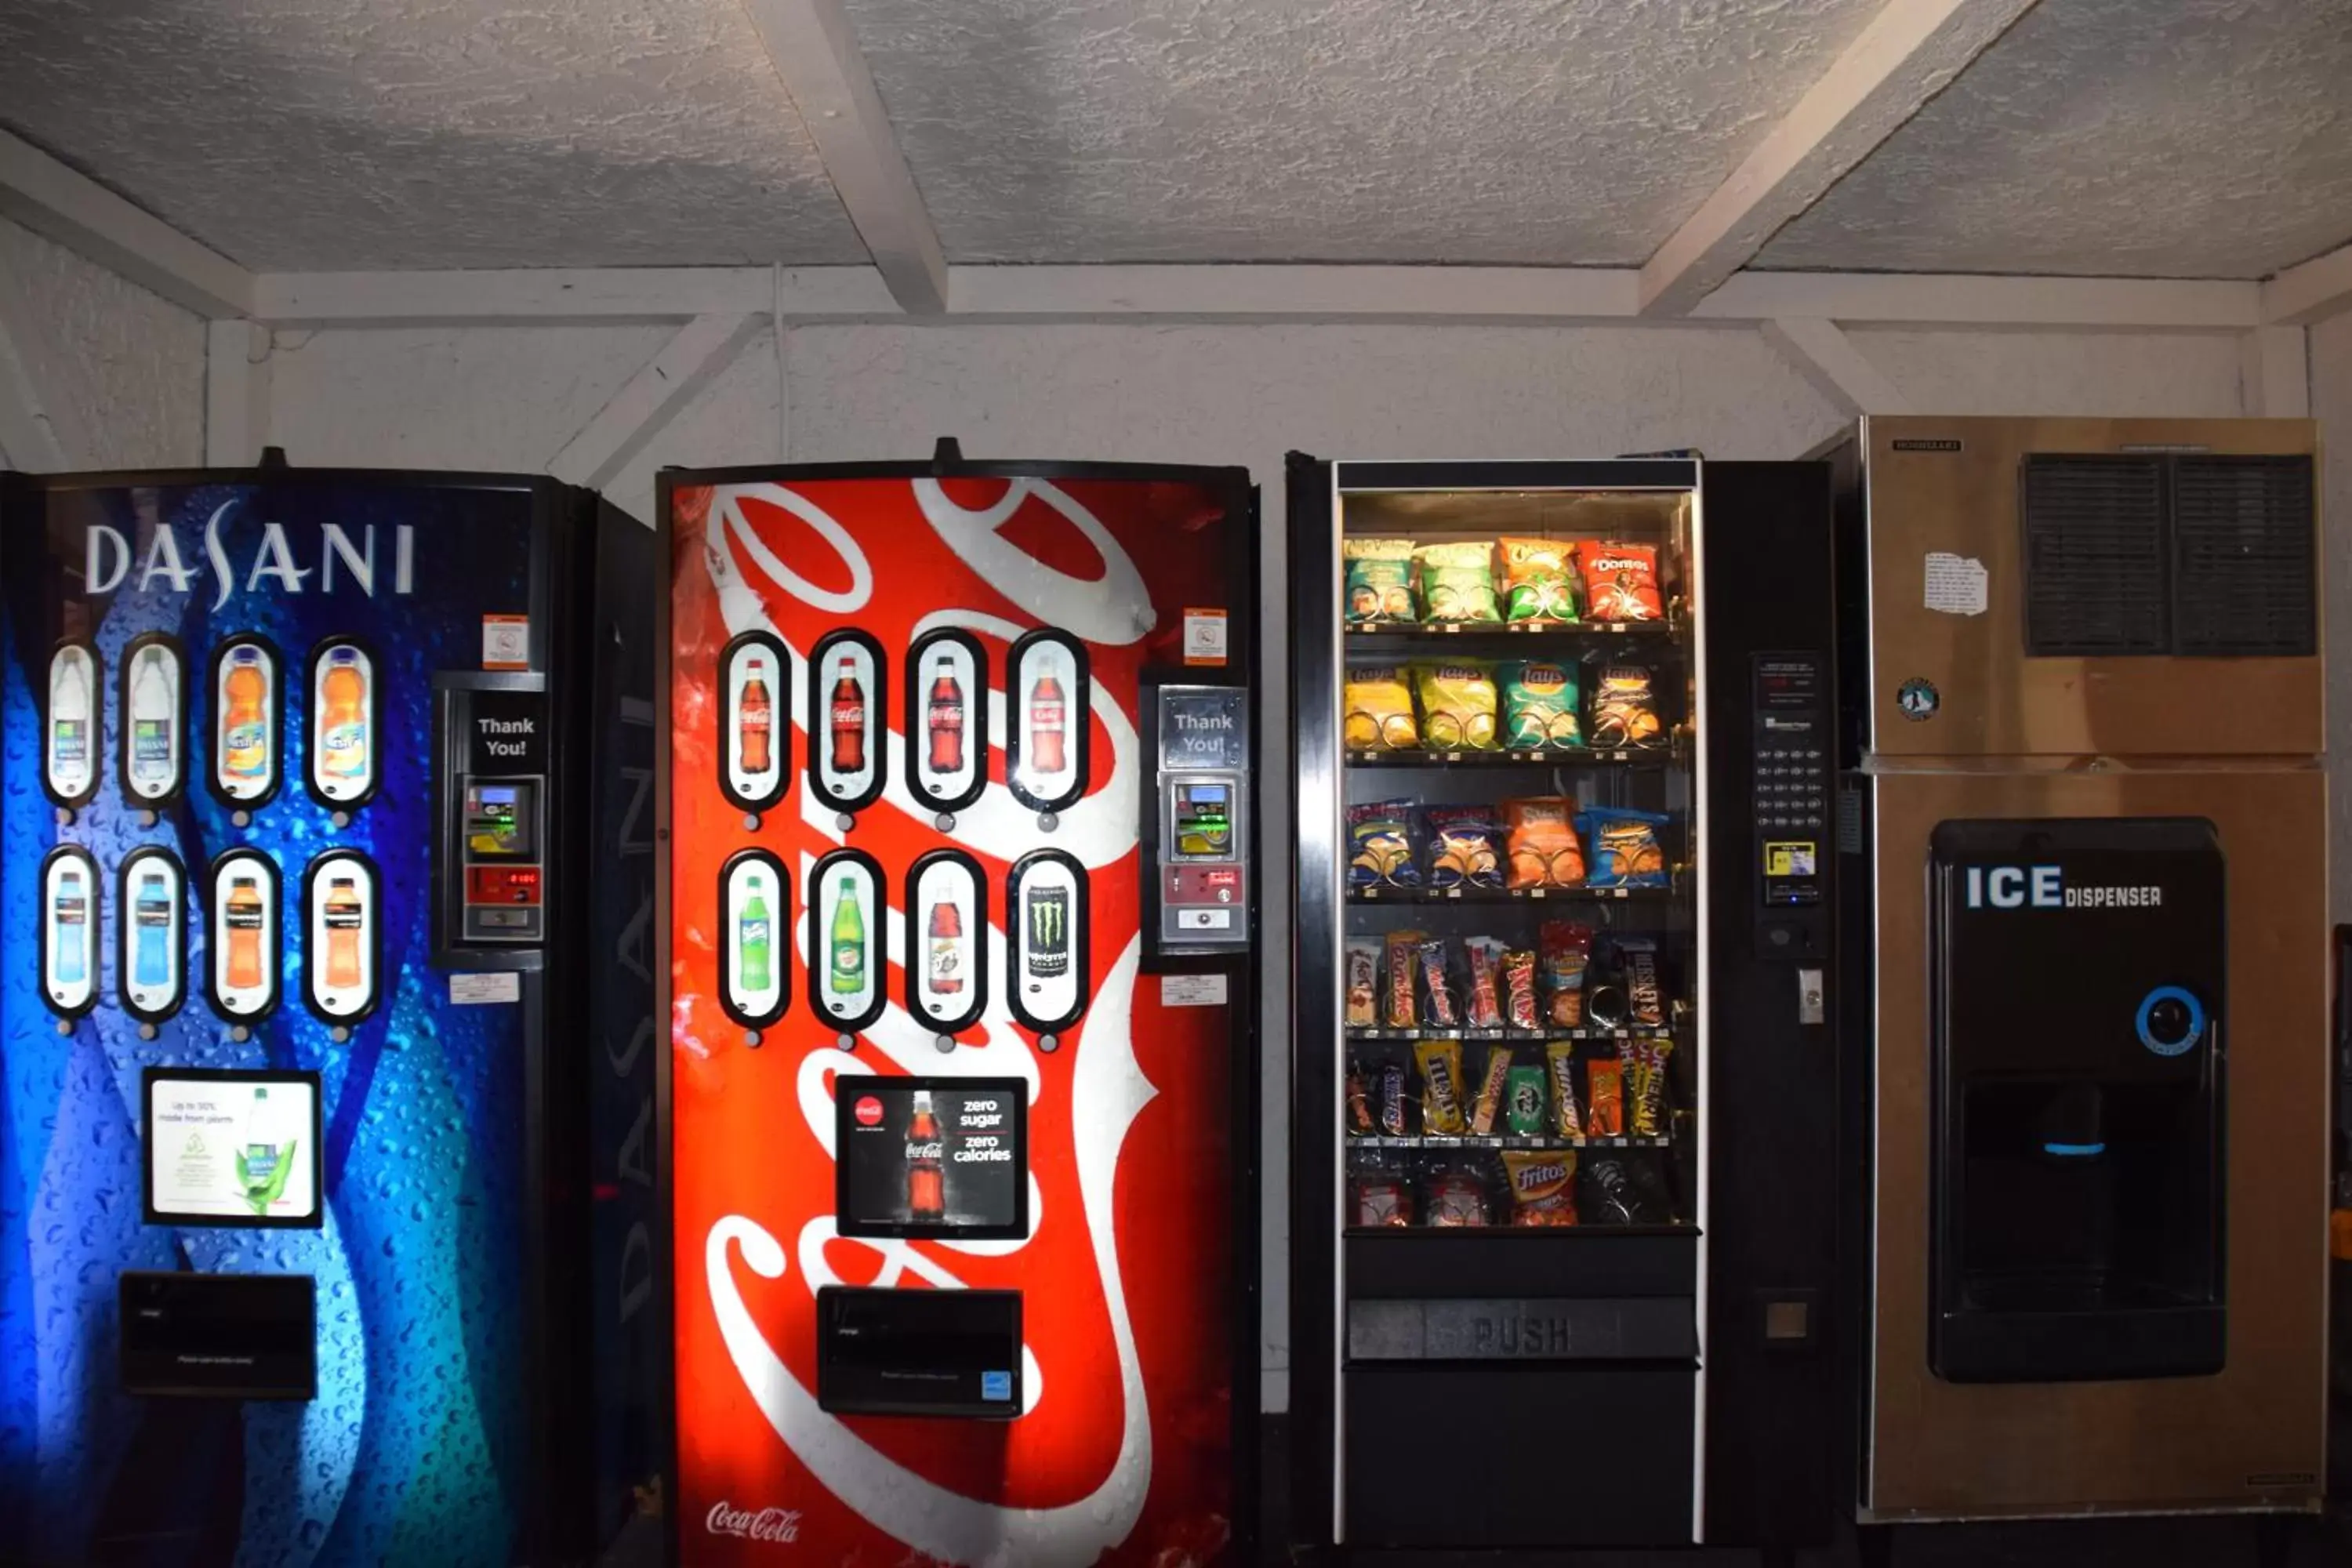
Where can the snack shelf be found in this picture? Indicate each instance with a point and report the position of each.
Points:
(1527, 1231)
(1454, 630)
(1557, 757)
(1510, 895)
(1501, 1140)
(1527, 1036)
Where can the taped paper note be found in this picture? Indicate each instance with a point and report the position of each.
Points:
(1955, 584)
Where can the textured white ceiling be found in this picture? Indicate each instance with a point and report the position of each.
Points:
(301, 134)
(2136, 138)
(1562, 132)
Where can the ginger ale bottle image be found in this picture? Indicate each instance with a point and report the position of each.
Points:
(846, 971)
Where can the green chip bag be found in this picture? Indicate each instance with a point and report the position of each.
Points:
(1379, 579)
(1539, 706)
(1457, 582)
(1538, 581)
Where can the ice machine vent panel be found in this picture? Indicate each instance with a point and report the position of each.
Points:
(2242, 546)
(2094, 557)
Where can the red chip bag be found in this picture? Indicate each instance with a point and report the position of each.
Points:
(1621, 581)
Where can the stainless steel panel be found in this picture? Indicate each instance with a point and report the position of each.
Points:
(1950, 485)
(2253, 1436)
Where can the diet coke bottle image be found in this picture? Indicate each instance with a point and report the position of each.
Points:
(926, 1186)
(846, 718)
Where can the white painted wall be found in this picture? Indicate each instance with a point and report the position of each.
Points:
(2331, 405)
(120, 371)
(499, 398)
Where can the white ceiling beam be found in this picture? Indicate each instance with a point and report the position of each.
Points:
(650, 399)
(2274, 373)
(2310, 292)
(1970, 300)
(236, 393)
(524, 297)
(815, 53)
(1246, 291)
(50, 199)
(36, 436)
(1909, 52)
(1827, 358)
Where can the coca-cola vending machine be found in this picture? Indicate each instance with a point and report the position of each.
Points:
(962, 904)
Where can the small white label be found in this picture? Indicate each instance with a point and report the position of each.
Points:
(1193, 991)
(497, 985)
(506, 642)
(1204, 636)
(1955, 584)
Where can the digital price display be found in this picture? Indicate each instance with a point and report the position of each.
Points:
(931, 1157)
(502, 884)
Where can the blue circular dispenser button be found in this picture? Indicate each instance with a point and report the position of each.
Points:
(2171, 1020)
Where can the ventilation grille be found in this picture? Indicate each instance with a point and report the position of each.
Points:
(2241, 530)
(2096, 583)
(2202, 556)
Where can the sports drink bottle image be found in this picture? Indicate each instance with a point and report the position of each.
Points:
(151, 966)
(754, 719)
(925, 1180)
(344, 739)
(753, 944)
(344, 916)
(847, 721)
(70, 919)
(243, 737)
(243, 916)
(847, 974)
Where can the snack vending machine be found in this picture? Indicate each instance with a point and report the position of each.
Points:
(304, 1041)
(1564, 1167)
(2088, 898)
(961, 894)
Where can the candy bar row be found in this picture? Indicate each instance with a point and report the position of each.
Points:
(1615, 1089)
(1409, 979)
(1546, 1187)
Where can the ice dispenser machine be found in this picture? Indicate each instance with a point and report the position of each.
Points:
(2076, 1164)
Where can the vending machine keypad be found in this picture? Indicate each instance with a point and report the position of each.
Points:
(1789, 791)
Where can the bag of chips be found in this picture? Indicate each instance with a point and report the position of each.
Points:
(1464, 847)
(1539, 706)
(1604, 1093)
(1621, 581)
(1488, 1106)
(1379, 845)
(1377, 712)
(1403, 953)
(1363, 954)
(1542, 1184)
(1483, 1004)
(1379, 579)
(1625, 848)
(1441, 1111)
(1560, 1066)
(1457, 582)
(1457, 706)
(1567, 952)
(1538, 581)
(1624, 712)
(1540, 845)
(1454, 1198)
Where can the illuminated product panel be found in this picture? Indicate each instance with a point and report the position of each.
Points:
(910, 913)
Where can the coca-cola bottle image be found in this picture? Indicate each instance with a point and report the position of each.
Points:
(946, 969)
(1048, 711)
(848, 722)
(946, 719)
(755, 718)
(926, 1187)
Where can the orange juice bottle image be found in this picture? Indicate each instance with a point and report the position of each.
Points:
(344, 737)
(244, 727)
(244, 921)
(343, 918)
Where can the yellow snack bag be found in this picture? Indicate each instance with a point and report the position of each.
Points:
(1441, 1111)
(1457, 706)
(1376, 714)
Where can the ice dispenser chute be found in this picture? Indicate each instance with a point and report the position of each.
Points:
(2078, 1047)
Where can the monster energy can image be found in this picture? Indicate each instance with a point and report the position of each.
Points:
(1048, 913)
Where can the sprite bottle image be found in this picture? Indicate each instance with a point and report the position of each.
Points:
(751, 942)
(846, 972)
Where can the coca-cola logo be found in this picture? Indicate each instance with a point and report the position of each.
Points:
(772, 1525)
(869, 1111)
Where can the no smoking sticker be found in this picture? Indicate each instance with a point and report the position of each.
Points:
(1204, 636)
(506, 642)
